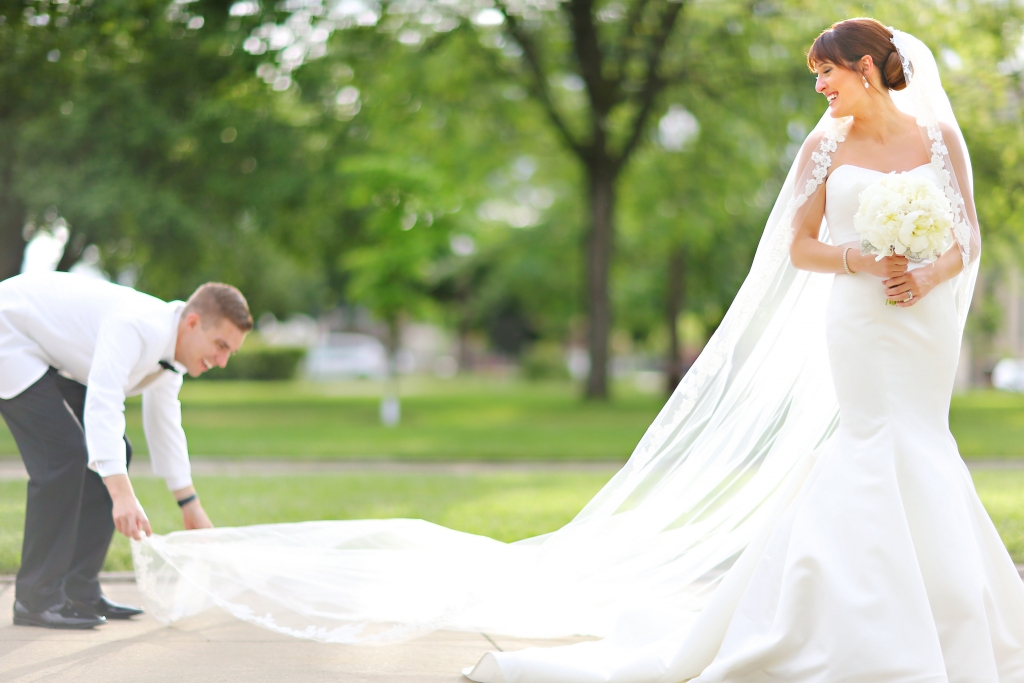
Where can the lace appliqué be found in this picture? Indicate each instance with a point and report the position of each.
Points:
(961, 230)
(822, 159)
(908, 66)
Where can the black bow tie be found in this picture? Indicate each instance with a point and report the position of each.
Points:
(167, 366)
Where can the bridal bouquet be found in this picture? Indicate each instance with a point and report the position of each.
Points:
(906, 215)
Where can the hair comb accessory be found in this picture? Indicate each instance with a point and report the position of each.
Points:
(908, 66)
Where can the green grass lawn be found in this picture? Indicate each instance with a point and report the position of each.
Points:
(504, 506)
(472, 419)
(988, 424)
(463, 419)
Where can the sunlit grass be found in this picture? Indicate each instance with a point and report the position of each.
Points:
(1002, 492)
(504, 506)
(988, 424)
(464, 419)
(472, 419)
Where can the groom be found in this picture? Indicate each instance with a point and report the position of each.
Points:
(72, 349)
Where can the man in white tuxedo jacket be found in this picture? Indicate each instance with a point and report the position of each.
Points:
(72, 348)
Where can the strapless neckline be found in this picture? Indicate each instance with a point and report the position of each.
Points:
(871, 170)
(844, 197)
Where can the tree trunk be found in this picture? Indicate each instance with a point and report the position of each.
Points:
(390, 405)
(465, 361)
(464, 354)
(601, 200)
(12, 217)
(675, 301)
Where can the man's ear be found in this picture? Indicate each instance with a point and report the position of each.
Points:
(192, 321)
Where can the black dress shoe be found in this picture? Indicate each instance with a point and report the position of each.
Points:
(105, 608)
(58, 616)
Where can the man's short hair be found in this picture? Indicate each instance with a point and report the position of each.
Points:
(216, 301)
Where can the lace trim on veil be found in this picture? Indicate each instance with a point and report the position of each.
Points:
(961, 230)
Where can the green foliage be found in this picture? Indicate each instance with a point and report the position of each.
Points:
(168, 147)
(403, 231)
(545, 361)
(156, 142)
(269, 363)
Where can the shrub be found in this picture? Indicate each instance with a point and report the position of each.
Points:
(544, 360)
(261, 363)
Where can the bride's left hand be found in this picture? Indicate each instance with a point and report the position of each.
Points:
(919, 281)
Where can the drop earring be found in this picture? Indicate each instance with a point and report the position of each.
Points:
(866, 86)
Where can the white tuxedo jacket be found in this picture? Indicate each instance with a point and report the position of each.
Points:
(110, 338)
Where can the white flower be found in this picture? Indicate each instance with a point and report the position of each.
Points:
(904, 214)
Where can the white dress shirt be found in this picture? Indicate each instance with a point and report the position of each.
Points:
(111, 339)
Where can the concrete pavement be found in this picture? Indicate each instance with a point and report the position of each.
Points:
(213, 647)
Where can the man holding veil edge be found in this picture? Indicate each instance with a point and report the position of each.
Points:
(72, 349)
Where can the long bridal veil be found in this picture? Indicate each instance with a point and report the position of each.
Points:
(724, 456)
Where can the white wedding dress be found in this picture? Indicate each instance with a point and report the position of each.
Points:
(885, 568)
(798, 510)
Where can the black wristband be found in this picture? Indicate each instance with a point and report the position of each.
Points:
(185, 501)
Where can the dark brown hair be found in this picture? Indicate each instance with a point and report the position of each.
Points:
(215, 301)
(845, 42)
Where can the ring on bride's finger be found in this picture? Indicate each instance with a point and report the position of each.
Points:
(910, 297)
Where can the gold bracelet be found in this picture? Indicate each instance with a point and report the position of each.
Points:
(845, 264)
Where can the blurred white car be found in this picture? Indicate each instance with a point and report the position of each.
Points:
(346, 356)
(1008, 374)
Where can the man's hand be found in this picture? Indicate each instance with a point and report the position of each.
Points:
(192, 513)
(129, 517)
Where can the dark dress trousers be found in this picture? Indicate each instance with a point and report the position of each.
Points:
(68, 521)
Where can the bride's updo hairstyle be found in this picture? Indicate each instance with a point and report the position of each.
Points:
(845, 42)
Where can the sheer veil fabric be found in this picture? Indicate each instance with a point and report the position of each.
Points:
(658, 556)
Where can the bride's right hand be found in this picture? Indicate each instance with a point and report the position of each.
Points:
(890, 266)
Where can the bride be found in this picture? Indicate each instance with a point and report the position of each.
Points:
(798, 511)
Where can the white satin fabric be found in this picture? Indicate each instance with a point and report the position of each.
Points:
(668, 561)
(884, 567)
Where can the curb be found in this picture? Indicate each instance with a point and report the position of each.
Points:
(105, 577)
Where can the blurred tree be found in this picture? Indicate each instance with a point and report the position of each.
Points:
(596, 70)
(150, 134)
(185, 143)
(389, 267)
(697, 200)
(494, 177)
(32, 43)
